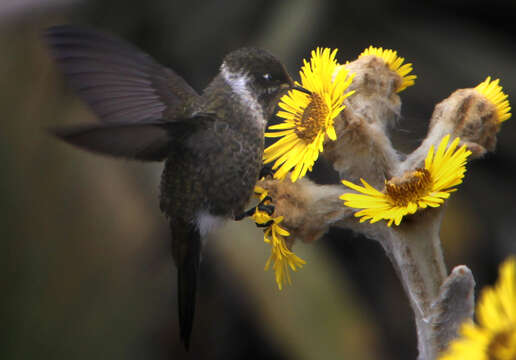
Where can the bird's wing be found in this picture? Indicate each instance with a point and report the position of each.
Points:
(146, 141)
(122, 84)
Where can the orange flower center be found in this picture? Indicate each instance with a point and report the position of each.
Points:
(409, 187)
(313, 119)
(503, 345)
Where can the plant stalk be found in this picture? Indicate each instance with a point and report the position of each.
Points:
(415, 250)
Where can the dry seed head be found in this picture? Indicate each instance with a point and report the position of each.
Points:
(361, 127)
(470, 116)
(375, 98)
(307, 209)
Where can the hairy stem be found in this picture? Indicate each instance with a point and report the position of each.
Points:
(415, 251)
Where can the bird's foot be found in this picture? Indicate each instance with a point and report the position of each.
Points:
(245, 214)
(267, 224)
(266, 172)
(269, 209)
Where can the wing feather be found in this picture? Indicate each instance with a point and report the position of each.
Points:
(146, 142)
(122, 84)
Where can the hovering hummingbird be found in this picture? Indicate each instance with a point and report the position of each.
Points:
(212, 144)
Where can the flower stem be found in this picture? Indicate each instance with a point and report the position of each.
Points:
(415, 251)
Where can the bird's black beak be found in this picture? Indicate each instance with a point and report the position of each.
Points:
(302, 89)
(291, 85)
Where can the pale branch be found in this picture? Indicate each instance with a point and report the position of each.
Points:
(454, 305)
(363, 149)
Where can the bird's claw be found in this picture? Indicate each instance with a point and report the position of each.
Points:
(269, 209)
(245, 214)
(267, 224)
(265, 172)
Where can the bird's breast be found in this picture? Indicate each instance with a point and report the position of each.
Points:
(215, 172)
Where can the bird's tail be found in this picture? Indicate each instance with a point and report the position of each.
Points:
(186, 249)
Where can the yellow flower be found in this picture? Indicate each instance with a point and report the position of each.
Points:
(414, 190)
(282, 258)
(395, 63)
(494, 337)
(308, 118)
(493, 93)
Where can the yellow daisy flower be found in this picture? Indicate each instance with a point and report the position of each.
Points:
(308, 118)
(414, 190)
(493, 92)
(282, 259)
(494, 337)
(395, 63)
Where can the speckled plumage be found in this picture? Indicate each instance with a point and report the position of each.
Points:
(216, 167)
(212, 143)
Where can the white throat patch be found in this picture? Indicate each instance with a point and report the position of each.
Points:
(238, 83)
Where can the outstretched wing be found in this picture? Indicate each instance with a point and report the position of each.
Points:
(146, 142)
(122, 84)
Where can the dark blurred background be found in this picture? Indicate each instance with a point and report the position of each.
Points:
(86, 268)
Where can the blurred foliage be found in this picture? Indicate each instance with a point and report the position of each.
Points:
(88, 274)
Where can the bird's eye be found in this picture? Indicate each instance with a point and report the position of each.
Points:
(267, 77)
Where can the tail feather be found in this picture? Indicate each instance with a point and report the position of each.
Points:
(186, 248)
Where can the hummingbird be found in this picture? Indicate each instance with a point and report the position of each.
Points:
(211, 143)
